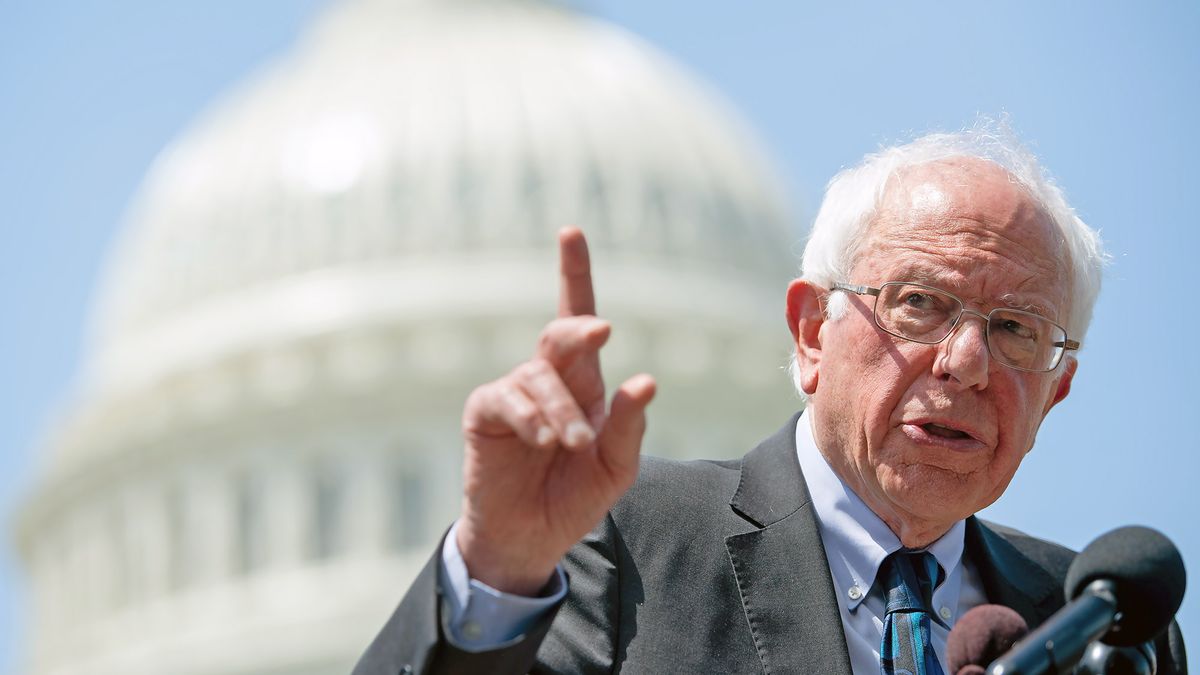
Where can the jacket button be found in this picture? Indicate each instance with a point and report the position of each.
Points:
(406, 670)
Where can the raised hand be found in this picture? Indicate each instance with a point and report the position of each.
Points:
(544, 461)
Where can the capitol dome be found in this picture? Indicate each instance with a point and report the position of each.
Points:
(405, 133)
(263, 445)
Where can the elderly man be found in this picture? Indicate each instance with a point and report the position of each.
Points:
(945, 286)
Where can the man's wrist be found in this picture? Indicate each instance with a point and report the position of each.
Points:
(477, 617)
(504, 569)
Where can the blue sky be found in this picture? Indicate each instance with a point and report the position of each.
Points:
(1106, 92)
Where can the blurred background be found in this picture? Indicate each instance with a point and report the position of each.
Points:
(256, 254)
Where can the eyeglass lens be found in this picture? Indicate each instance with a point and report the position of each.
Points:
(928, 315)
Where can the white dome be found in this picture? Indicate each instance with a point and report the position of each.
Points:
(401, 133)
(314, 277)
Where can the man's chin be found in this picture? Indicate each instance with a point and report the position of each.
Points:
(935, 504)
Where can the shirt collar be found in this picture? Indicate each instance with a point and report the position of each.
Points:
(856, 540)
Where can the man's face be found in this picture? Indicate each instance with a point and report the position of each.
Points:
(929, 434)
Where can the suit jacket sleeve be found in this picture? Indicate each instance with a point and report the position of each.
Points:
(413, 639)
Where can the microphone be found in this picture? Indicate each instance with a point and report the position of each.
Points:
(1124, 587)
(980, 636)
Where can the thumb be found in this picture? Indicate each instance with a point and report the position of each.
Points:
(621, 442)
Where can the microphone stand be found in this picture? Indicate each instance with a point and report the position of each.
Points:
(1089, 616)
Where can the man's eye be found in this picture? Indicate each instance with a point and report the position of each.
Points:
(919, 300)
(1018, 329)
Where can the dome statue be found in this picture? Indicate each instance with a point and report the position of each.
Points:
(263, 446)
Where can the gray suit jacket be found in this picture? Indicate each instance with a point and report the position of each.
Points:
(710, 567)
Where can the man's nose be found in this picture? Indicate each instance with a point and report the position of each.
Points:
(963, 355)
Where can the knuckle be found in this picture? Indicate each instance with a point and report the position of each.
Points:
(556, 333)
(477, 399)
(546, 343)
(523, 371)
(561, 409)
(525, 416)
(536, 368)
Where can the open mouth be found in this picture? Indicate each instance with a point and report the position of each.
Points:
(943, 432)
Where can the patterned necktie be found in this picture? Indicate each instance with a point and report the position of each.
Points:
(909, 578)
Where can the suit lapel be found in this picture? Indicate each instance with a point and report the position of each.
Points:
(1009, 577)
(780, 567)
(783, 575)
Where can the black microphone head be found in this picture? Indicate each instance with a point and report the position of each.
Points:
(1148, 575)
(981, 636)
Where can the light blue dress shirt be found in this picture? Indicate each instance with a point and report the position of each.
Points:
(856, 542)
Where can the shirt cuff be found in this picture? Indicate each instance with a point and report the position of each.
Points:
(480, 618)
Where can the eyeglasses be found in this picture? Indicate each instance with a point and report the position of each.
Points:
(1015, 338)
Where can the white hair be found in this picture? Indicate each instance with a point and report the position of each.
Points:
(853, 196)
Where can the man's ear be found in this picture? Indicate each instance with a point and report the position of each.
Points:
(1063, 386)
(805, 315)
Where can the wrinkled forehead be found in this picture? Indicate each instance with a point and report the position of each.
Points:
(971, 212)
(964, 196)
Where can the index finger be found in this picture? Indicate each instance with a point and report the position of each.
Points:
(575, 274)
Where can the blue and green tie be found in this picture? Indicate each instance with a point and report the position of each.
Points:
(909, 578)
